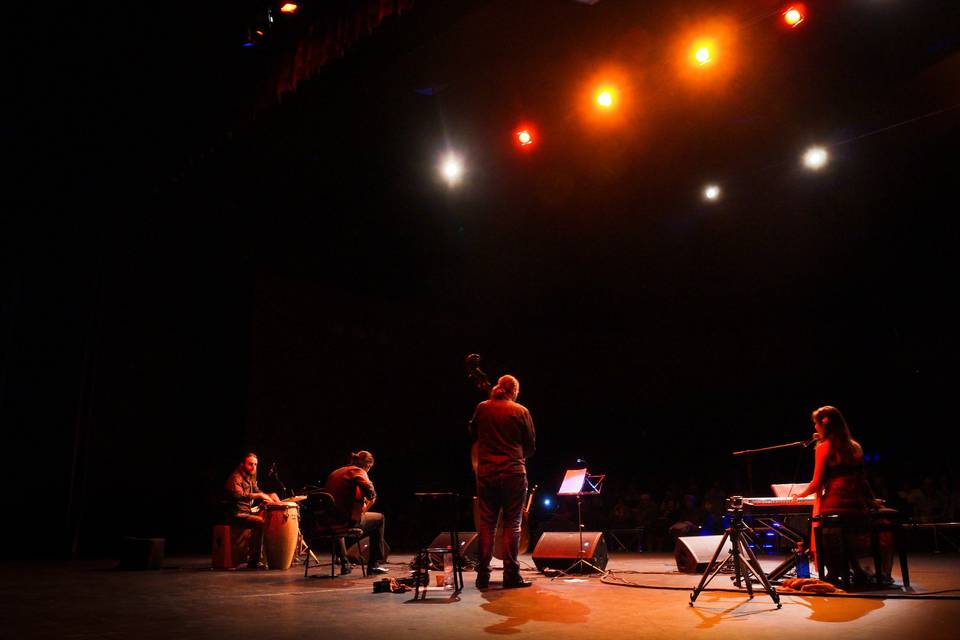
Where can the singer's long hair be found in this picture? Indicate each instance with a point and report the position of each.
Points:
(843, 448)
(507, 388)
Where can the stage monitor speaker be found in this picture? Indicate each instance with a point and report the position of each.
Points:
(692, 553)
(558, 549)
(469, 546)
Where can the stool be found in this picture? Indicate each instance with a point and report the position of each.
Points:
(231, 545)
(837, 570)
(438, 500)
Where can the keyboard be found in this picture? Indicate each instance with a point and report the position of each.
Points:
(780, 504)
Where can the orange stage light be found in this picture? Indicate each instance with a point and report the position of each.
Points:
(606, 97)
(702, 56)
(794, 15)
(289, 7)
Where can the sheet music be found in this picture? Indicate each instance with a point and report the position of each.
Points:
(572, 482)
(784, 490)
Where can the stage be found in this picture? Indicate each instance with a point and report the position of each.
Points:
(187, 599)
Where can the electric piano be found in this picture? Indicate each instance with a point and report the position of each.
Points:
(778, 505)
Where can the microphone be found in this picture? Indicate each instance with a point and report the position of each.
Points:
(812, 440)
(581, 461)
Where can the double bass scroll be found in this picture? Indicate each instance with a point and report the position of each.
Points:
(476, 375)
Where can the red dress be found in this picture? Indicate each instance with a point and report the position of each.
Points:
(844, 489)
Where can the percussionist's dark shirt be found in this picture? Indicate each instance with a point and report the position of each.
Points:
(240, 489)
(505, 435)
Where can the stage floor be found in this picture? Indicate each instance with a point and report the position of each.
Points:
(189, 600)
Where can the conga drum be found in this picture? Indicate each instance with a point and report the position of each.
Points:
(281, 526)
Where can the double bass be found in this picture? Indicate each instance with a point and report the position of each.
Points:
(482, 382)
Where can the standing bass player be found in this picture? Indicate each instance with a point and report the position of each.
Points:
(504, 436)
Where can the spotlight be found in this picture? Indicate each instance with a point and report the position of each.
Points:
(524, 136)
(711, 193)
(547, 502)
(703, 56)
(605, 99)
(451, 168)
(815, 158)
(794, 15)
(289, 7)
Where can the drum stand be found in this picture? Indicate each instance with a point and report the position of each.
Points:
(303, 549)
(744, 560)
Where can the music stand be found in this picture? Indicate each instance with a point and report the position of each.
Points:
(579, 483)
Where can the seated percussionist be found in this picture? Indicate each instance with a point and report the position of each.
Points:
(243, 498)
(354, 494)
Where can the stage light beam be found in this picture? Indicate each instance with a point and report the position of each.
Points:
(815, 158)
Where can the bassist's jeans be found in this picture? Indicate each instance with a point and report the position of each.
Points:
(493, 494)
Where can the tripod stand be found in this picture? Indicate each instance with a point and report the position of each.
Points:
(744, 560)
(580, 562)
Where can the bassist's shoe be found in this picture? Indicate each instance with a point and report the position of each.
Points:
(516, 582)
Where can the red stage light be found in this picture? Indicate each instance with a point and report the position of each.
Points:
(794, 15)
(525, 136)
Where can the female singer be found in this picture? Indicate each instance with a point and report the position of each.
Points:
(840, 486)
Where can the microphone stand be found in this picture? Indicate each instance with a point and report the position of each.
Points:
(789, 445)
(276, 476)
(751, 452)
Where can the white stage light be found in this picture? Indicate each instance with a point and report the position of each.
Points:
(815, 158)
(451, 168)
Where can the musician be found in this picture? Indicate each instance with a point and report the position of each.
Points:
(839, 484)
(354, 494)
(243, 498)
(504, 433)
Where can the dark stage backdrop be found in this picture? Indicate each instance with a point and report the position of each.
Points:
(140, 384)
